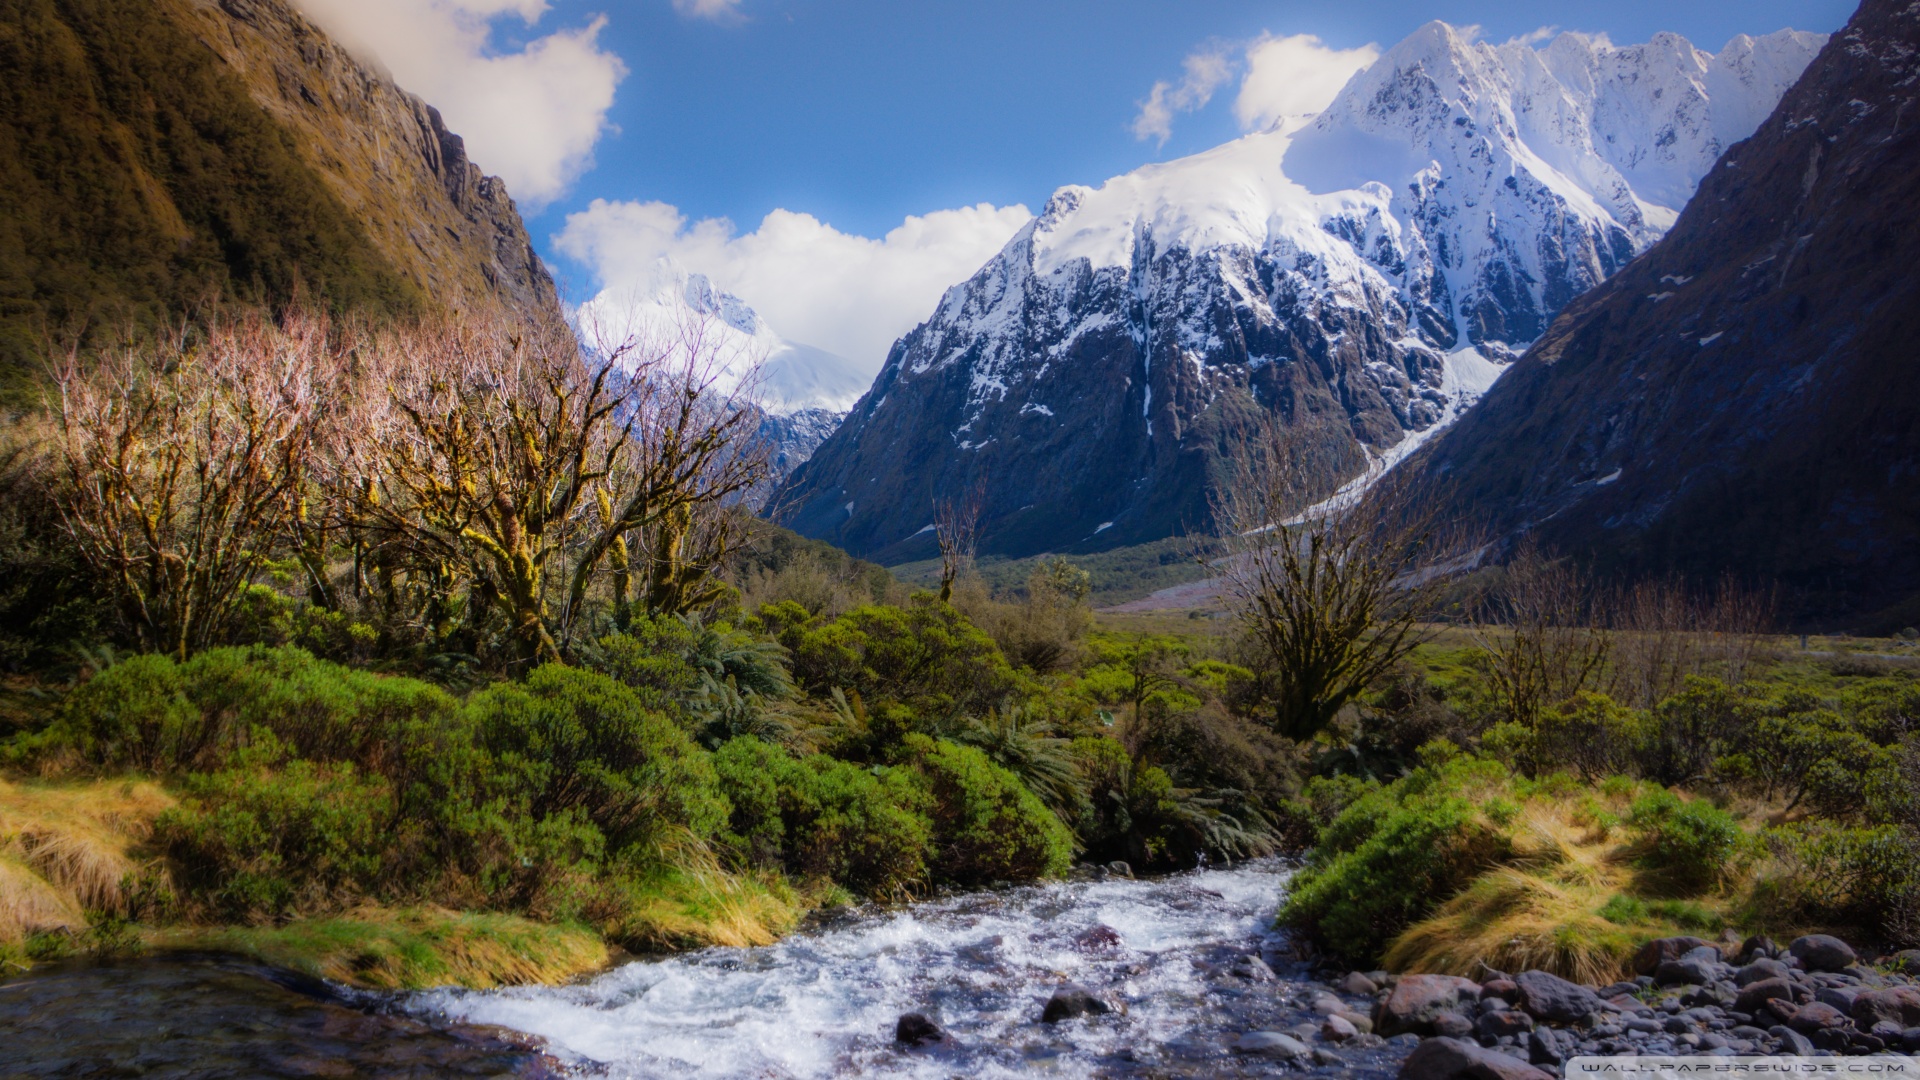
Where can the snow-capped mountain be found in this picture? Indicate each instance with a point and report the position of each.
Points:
(1743, 401)
(1366, 274)
(803, 391)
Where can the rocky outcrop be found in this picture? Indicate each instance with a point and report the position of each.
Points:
(1744, 398)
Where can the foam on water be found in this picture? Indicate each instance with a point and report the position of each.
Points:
(823, 1002)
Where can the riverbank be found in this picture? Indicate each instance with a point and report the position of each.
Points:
(76, 882)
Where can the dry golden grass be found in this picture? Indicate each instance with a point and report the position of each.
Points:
(412, 948)
(29, 905)
(696, 903)
(66, 849)
(1544, 909)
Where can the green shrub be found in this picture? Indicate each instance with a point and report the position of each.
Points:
(1593, 735)
(572, 740)
(1686, 846)
(987, 827)
(925, 656)
(1835, 875)
(134, 714)
(817, 817)
(1393, 855)
(254, 843)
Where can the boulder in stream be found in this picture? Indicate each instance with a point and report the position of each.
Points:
(1072, 1000)
(915, 1029)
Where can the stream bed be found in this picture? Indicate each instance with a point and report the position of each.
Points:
(1189, 963)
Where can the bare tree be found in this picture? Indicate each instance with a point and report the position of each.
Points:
(178, 464)
(956, 526)
(510, 458)
(1666, 631)
(1331, 592)
(1541, 634)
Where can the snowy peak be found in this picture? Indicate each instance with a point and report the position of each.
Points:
(787, 376)
(1367, 274)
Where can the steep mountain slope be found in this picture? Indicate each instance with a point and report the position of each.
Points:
(1365, 277)
(161, 154)
(1746, 396)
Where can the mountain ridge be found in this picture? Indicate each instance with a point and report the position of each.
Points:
(1095, 374)
(1742, 399)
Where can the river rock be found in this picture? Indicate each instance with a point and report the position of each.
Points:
(1840, 997)
(1549, 997)
(1338, 1029)
(1758, 947)
(1504, 989)
(1757, 994)
(1453, 1059)
(1417, 999)
(1762, 969)
(1546, 1046)
(1822, 952)
(915, 1029)
(1791, 1041)
(1905, 962)
(1072, 1000)
(1271, 1044)
(1896, 1004)
(1813, 1018)
(1686, 971)
(1660, 950)
(1500, 1023)
(1252, 969)
(1357, 983)
(1097, 938)
(1452, 1025)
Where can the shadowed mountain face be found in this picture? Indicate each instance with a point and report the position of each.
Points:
(1745, 397)
(162, 154)
(1365, 277)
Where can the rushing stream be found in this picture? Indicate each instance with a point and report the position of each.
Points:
(1176, 957)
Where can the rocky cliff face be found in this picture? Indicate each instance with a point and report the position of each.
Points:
(159, 156)
(1366, 278)
(446, 225)
(1744, 398)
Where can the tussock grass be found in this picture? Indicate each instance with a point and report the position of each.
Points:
(412, 948)
(691, 902)
(1566, 902)
(67, 849)
(29, 905)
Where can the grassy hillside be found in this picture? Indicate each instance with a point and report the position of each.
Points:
(138, 181)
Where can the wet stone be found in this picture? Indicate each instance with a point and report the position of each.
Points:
(915, 1029)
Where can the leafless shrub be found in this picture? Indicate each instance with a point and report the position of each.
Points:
(956, 525)
(508, 461)
(179, 465)
(1664, 632)
(1333, 592)
(1541, 635)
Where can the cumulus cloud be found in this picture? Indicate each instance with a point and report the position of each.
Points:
(1294, 76)
(1280, 76)
(851, 295)
(530, 115)
(1206, 71)
(721, 11)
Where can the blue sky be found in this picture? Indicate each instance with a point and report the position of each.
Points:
(839, 163)
(863, 111)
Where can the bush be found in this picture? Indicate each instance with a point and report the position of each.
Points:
(818, 817)
(1592, 735)
(254, 843)
(987, 827)
(1837, 876)
(1687, 846)
(1393, 855)
(576, 741)
(925, 656)
(133, 715)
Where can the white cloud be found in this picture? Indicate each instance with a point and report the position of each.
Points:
(1294, 76)
(529, 115)
(1206, 70)
(848, 294)
(721, 11)
(1280, 76)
